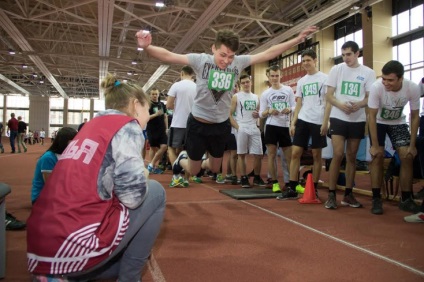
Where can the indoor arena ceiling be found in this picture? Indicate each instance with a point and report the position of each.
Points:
(63, 47)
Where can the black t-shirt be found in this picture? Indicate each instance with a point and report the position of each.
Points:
(22, 127)
(156, 124)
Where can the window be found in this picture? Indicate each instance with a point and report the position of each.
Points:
(349, 29)
(15, 101)
(407, 16)
(56, 117)
(78, 109)
(77, 117)
(57, 103)
(23, 113)
(408, 45)
(19, 105)
(56, 113)
(409, 39)
(99, 105)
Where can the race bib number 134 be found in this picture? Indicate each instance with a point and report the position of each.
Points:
(351, 88)
(221, 80)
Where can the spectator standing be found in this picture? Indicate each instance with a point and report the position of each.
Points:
(42, 135)
(156, 131)
(12, 129)
(30, 137)
(22, 130)
(36, 136)
(1, 137)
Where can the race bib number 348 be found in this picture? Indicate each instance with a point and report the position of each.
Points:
(221, 80)
(350, 88)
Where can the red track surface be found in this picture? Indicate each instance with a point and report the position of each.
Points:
(208, 236)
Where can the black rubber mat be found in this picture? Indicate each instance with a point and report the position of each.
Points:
(252, 193)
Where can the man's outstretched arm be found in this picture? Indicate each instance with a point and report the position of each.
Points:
(144, 40)
(278, 49)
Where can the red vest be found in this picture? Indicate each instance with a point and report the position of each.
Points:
(70, 228)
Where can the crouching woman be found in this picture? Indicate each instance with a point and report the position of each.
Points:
(98, 215)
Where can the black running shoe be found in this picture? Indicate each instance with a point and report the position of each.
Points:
(13, 224)
(245, 182)
(288, 194)
(258, 182)
(377, 206)
(409, 205)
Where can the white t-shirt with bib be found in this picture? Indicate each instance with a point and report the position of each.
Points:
(247, 103)
(390, 104)
(351, 85)
(278, 99)
(312, 89)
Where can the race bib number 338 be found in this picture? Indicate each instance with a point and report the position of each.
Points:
(221, 80)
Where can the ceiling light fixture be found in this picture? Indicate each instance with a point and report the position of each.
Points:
(160, 4)
(24, 66)
(134, 62)
(139, 49)
(11, 52)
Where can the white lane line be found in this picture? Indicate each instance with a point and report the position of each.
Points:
(391, 261)
(200, 202)
(397, 263)
(155, 270)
